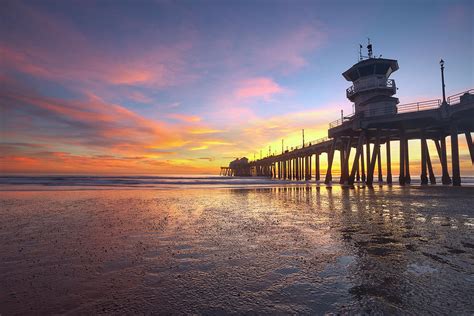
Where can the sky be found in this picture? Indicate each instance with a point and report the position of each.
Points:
(160, 87)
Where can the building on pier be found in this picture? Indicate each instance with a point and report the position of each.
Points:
(372, 91)
(378, 120)
(238, 167)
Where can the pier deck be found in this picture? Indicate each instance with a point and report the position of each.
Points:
(428, 120)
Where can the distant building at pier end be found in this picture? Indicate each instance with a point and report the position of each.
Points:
(378, 119)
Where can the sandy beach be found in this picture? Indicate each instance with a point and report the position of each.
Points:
(286, 249)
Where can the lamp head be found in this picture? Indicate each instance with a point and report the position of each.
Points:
(441, 62)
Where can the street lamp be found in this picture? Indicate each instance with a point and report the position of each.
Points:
(303, 136)
(441, 63)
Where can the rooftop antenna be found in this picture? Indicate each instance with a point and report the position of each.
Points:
(369, 47)
(360, 52)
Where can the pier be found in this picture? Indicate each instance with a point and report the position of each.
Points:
(378, 120)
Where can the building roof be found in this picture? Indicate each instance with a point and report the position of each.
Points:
(371, 66)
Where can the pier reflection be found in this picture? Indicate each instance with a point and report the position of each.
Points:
(394, 240)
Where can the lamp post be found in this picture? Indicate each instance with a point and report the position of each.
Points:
(303, 136)
(441, 63)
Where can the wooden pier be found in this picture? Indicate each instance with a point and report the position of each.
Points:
(377, 121)
(426, 121)
(226, 171)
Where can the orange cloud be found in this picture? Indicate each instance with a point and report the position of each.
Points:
(184, 117)
(199, 148)
(203, 130)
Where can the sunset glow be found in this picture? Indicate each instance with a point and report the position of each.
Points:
(166, 88)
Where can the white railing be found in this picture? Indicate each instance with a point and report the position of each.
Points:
(406, 108)
(317, 141)
(372, 83)
(456, 98)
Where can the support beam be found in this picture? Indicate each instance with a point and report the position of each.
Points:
(455, 157)
(445, 179)
(362, 165)
(290, 161)
(292, 169)
(310, 164)
(373, 160)
(297, 169)
(424, 175)
(389, 162)
(330, 159)
(308, 168)
(470, 145)
(379, 165)
(430, 167)
(347, 153)
(401, 178)
(367, 150)
(342, 167)
(407, 162)
(302, 168)
(359, 153)
(300, 165)
(304, 165)
(317, 171)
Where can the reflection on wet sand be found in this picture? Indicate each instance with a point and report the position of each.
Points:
(287, 249)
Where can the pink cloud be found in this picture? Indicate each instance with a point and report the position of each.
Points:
(260, 87)
(288, 52)
(52, 47)
(184, 117)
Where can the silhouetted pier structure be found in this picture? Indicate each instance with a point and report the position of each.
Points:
(379, 120)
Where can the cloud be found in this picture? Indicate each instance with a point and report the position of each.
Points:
(89, 122)
(184, 117)
(288, 51)
(52, 47)
(199, 147)
(204, 130)
(88, 134)
(261, 87)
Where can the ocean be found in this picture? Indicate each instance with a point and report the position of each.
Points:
(78, 182)
(216, 245)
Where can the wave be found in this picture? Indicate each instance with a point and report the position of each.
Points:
(12, 182)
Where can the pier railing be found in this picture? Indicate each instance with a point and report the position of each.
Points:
(371, 84)
(402, 108)
(405, 108)
(418, 106)
(316, 141)
(341, 120)
(456, 98)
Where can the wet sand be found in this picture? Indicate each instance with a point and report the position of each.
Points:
(292, 249)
